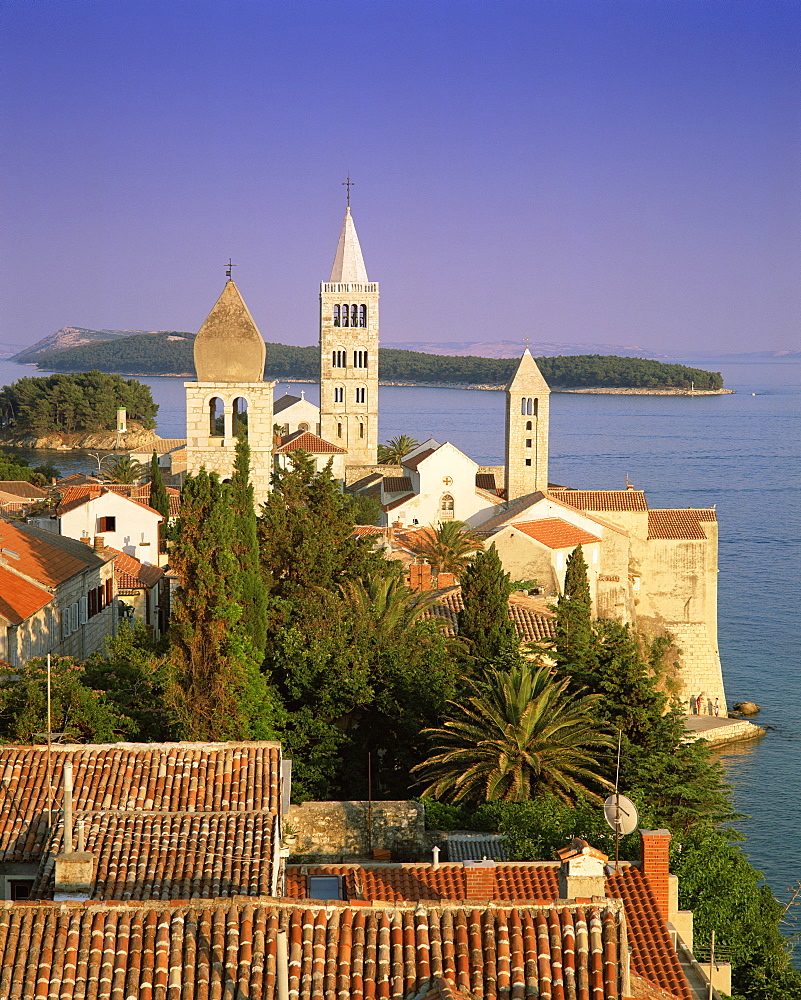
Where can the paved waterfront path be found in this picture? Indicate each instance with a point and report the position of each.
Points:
(721, 730)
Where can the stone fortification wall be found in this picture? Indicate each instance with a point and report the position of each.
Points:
(339, 831)
(701, 672)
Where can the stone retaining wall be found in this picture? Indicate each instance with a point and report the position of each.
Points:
(339, 831)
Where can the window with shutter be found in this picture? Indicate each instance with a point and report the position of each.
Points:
(109, 590)
(84, 610)
(65, 623)
(74, 618)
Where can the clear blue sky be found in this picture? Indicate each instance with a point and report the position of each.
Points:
(594, 172)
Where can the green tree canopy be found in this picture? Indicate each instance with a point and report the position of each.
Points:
(449, 547)
(519, 735)
(484, 621)
(159, 498)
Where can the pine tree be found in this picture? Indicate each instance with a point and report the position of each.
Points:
(215, 690)
(248, 584)
(484, 620)
(574, 636)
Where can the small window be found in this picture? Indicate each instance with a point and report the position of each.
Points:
(303, 427)
(336, 315)
(354, 314)
(339, 430)
(84, 610)
(74, 618)
(528, 425)
(523, 406)
(528, 461)
(528, 442)
(361, 395)
(324, 887)
(446, 507)
(362, 315)
(361, 430)
(339, 394)
(536, 406)
(19, 888)
(338, 359)
(528, 406)
(107, 524)
(345, 315)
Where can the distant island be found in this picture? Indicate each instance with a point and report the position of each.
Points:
(170, 353)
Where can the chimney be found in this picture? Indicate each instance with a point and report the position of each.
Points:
(446, 580)
(100, 543)
(479, 880)
(74, 869)
(581, 874)
(655, 865)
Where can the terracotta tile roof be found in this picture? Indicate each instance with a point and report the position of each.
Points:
(601, 500)
(363, 530)
(19, 599)
(308, 442)
(132, 574)
(653, 955)
(74, 496)
(19, 488)
(679, 524)
(556, 533)
(171, 855)
(476, 846)
(531, 624)
(397, 484)
(421, 456)
(45, 557)
(220, 948)
(152, 777)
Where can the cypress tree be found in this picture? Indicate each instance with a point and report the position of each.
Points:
(574, 636)
(484, 620)
(216, 690)
(159, 498)
(248, 584)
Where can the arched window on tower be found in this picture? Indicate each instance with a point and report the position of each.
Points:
(528, 406)
(338, 359)
(362, 315)
(446, 507)
(216, 417)
(361, 430)
(345, 315)
(536, 407)
(336, 315)
(528, 425)
(339, 394)
(339, 430)
(361, 394)
(240, 417)
(523, 406)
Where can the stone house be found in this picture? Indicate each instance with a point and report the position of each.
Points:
(320, 451)
(125, 524)
(142, 593)
(57, 595)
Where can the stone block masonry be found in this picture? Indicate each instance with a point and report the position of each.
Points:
(701, 672)
(340, 831)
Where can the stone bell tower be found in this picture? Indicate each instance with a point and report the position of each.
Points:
(349, 352)
(527, 404)
(230, 397)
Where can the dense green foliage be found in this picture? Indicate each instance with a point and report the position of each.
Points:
(215, 689)
(16, 468)
(77, 710)
(122, 469)
(247, 585)
(484, 621)
(159, 498)
(86, 401)
(518, 735)
(171, 354)
(448, 547)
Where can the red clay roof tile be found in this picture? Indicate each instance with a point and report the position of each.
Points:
(679, 524)
(20, 599)
(601, 500)
(556, 533)
(308, 442)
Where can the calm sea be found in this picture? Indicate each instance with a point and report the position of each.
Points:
(739, 453)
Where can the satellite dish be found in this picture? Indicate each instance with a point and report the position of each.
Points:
(621, 814)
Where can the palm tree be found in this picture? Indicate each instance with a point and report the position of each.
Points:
(388, 603)
(393, 451)
(122, 469)
(519, 736)
(449, 547)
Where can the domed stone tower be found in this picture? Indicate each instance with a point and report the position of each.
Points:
(230, 397)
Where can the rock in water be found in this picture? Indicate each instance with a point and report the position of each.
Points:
(746, 708)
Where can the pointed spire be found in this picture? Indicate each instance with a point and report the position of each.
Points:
(229, 347)
(528, 375)
(348, 262)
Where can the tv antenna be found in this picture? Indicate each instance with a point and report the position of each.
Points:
(620, 812)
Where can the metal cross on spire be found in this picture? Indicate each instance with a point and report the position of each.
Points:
(526, 340)
(348, 184)
(228, 268)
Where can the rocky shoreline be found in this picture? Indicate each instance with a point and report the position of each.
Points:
(136, 440)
